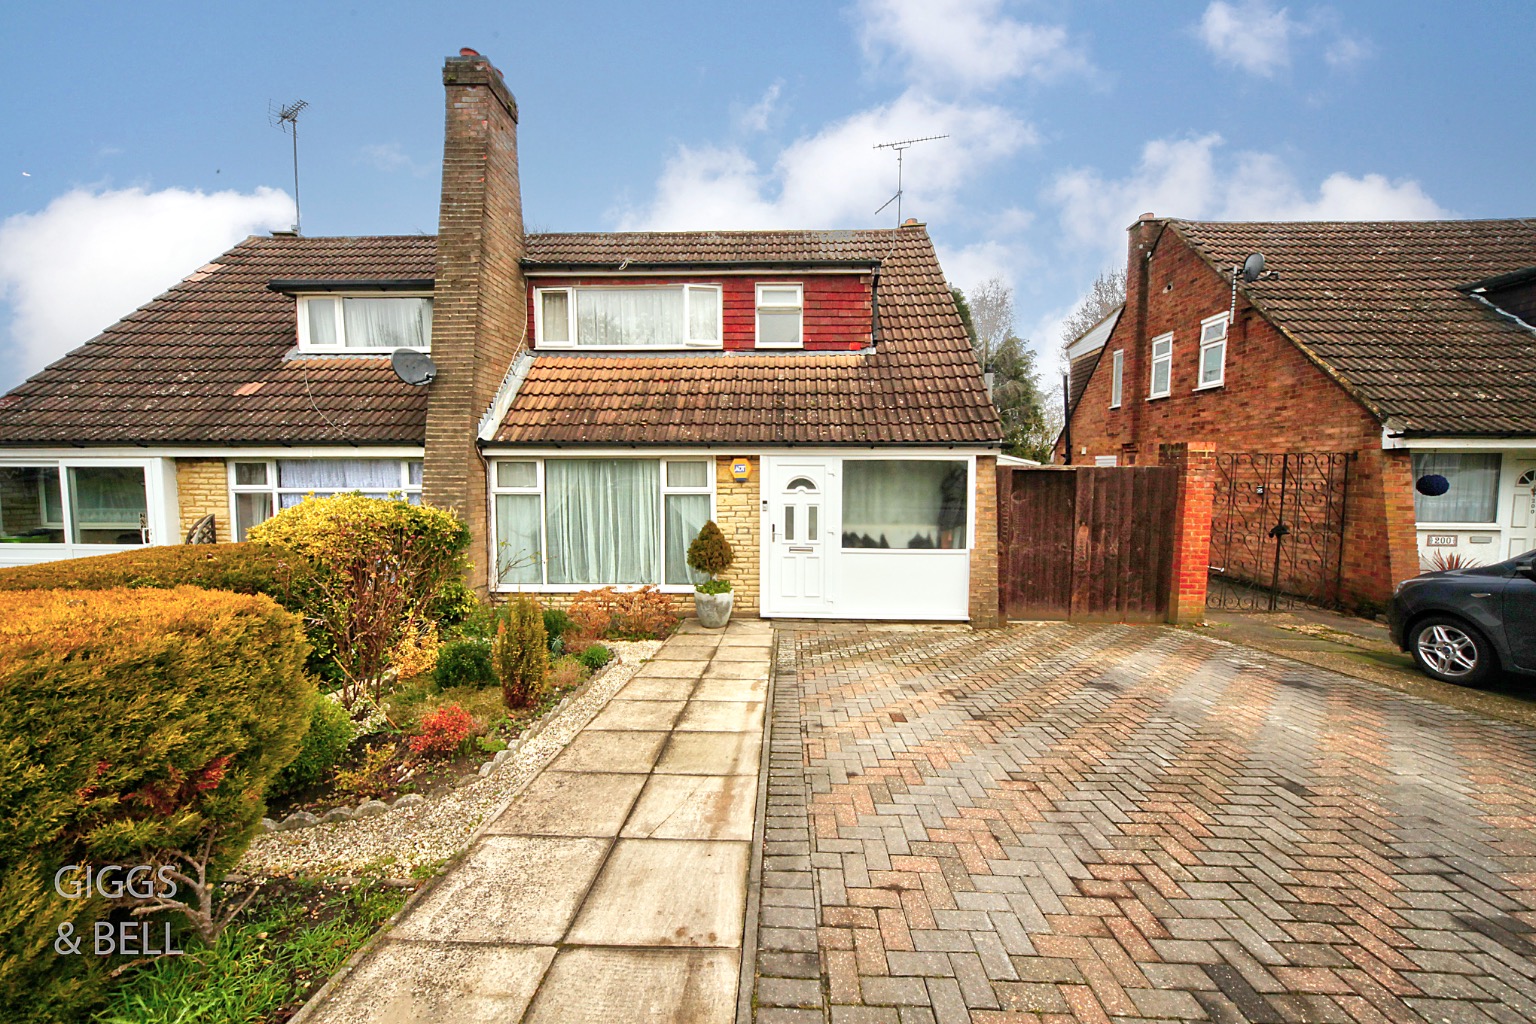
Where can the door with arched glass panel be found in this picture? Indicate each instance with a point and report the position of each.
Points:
(797, 531)
(1522, 509)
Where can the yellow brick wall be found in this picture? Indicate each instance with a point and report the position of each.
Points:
(737, 513)
(202, 486)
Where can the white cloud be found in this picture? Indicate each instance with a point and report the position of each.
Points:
(756, 117)
(966, 42)
(390, 157)
(1188, 178)
(835, 177)
(1251, 35)
(1258, 38)
(89, 258)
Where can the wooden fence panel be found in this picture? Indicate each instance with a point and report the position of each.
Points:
(1090, 542)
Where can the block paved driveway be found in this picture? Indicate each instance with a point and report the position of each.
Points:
(1059, 822)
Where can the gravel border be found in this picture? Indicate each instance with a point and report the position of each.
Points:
(430, 832)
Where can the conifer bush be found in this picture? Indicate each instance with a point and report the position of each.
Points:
(243, 568)
(521, 652)
(711, 554)
(133, 723)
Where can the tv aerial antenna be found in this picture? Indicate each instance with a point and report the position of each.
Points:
(901, 150)
(286, 120)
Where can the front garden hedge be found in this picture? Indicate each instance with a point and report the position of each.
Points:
(242, 568)
(133, 722)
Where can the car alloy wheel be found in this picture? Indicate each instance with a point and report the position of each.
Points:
(1452, 651)
(1448, 651)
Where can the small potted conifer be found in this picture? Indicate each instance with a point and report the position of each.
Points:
(711, 554)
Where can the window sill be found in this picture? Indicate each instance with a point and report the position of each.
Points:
(1489, 527)
(577, 588)
(1115, 406)
(1159, 398)
(544, 346)
(358, 350)
(1216, 386)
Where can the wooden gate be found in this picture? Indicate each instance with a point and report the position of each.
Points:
(1086, 542)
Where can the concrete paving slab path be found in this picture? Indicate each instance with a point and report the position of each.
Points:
(614, 887)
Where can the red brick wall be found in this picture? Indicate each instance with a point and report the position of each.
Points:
(1196, 464)
(479, 304)
(838, 311)
(1274, 399)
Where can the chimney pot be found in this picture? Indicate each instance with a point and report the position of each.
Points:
(1147, 216)
(465, 51)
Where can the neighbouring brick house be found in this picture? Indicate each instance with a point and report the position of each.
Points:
(597, 398)
(1406, 344)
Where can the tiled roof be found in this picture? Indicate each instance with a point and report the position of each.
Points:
(204, 362)
(1378, 305)
(920, 385)
(211, 361)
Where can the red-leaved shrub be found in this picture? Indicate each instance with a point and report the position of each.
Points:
(643, 614)
(442, 731)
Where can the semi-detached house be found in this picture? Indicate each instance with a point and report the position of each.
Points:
(597, 398)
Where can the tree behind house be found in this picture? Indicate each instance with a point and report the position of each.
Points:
(1029, 425)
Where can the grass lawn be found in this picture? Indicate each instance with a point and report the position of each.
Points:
(276, 952)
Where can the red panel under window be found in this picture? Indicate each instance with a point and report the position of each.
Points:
(837, 314)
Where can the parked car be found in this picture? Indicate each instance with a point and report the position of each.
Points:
(1464, 625)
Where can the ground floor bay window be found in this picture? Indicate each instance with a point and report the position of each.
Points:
(259, 488)
(572, 524)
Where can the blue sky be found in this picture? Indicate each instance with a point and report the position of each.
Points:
(137, 144)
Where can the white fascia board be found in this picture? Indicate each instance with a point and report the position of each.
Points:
(72, 454)
(1501, 444)
(503, 450)
(505, 395)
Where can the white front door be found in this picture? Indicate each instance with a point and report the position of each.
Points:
(1522, 509)
(799, 522)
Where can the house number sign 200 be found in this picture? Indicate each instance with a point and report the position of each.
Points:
(1441, 540)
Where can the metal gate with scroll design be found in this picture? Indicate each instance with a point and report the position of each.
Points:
(1086, 542)
(1277, 529)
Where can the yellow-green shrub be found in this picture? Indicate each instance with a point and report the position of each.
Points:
(132, 722)
(520, 652)
(242, 568)
(380, 568)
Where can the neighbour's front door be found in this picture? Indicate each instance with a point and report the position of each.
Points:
(797, 529)
(1522, 517)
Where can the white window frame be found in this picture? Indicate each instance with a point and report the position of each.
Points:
(275, 493)
(1166, 357)
(1208, 341)
(302, 312)
(160, 514)
(778, 307)
(570, 292)
(1117, 378)
(544, 586)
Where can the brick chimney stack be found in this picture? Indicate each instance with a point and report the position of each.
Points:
(479, 315)
(1138, 365)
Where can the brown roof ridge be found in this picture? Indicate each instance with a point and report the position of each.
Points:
(1425, 221)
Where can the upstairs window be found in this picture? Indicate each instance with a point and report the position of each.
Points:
(1117, 381)
(1162, 367)
(1213, 351)
(341, 323)
(632, 317)
(780, 315)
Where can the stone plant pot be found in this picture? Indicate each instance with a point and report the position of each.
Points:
(714, 610)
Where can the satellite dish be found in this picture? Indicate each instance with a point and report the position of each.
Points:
(415, 368)
(1253, 267)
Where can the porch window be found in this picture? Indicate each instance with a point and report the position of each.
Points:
(639, 316)
(599, 522)
(340, 322)
(106, 505)
(905, 503)
(31, 505)
(1473, 494)
(259, 489)
(1162, 367)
